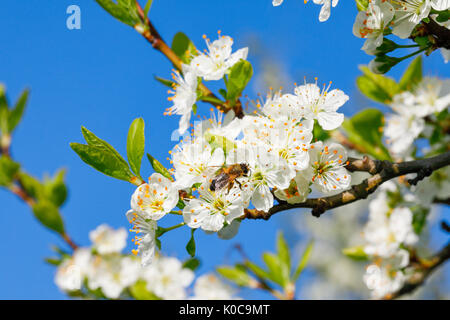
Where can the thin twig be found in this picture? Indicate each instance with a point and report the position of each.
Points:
(381, 171)
(157, 42)
(422, 274)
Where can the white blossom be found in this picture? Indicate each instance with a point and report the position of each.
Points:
(370, 24)
(327, 166)
(325, 11)
(210, 287)
(218, 59)
(408, 14)
(194, 161)
(107, 240)
(167, 278)
(184, 96)
(72, 272)
(145, 238)
(153, 200)
(321, 105)
(212, 209)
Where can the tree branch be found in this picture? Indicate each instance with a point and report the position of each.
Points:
(381, 171)
(440, 33)
(422, 274)
(157, 42)
(20, 192)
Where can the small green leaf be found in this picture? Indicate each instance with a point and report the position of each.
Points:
(303, 261)
(8, 170)
(257, 270)
(139, 291)
(412, 75)
(192, 264)
(284, 255)
(356, 253)
(55, 189)
(124, 10)
(136, 145)
(362, 5)
(147, 7)
(4, 111)
(53, 261)
(275, 270)
(166, 82)
(31, 185)
(236, 275)
(158, 167)
(48, 214)
(183, 47)
(103, 160)
(240, 74)
(419, 218)
(377, 87)
(366, 130)
(190, 247)
(15, 115)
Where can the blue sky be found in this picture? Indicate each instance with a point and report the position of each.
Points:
(101, 77)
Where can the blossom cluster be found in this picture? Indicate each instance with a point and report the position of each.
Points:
(213, 64)
(399, 17)
(396, 217)
(425, 101)
(103, 271)
(229, 164)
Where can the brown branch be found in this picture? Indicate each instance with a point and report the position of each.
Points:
(422, 273)
(440, 34)
(20, 192)
(157, 42)
(381, 171)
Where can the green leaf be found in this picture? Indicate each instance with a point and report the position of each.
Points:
(48, 214)
(190, 247)
(192, 264)
(55, 189)
(158, 167)
(15, 115)
(443, 16)
(275, 270)
(236, 275)
(240, 74)
(139, 291)
(8, 169)
(136, 145)
(103, 160)
(319, 133)
(124, 10)
(183, 47)
(166, 82)
(377, 87)
(31, 185)
(356, 253)
(303, 261)
(419, 218)
(362, 5)
(257, 270)
(53, 261)
(4, 111)
(284, 255)
(366, 129)
(147, 7)
(412, 75)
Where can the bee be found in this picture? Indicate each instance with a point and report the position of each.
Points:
(226, 176)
